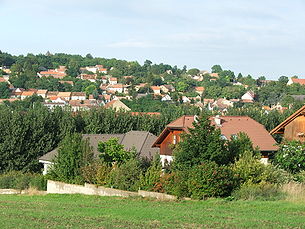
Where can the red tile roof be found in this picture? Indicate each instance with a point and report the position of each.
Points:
(230, 125)
(300, 81)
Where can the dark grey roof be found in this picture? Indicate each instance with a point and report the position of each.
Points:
(140, 140)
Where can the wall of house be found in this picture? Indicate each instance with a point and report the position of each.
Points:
(295, 130)
(165, 147)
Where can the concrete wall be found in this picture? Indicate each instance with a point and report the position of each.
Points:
(56, 187)
(87, 189)
(157, 195)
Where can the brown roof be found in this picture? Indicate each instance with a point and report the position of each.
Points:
(78, 94)
(155, 87)
(230, 125)
(28, 93)
(199, 88)
(40, 91)
(64, 94)
(280, 128)
(52, 93)
(140, 140)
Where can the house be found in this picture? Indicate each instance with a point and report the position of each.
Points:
(229, 126)
(167, 88)
(141, 85)
(78, 96)
(249, 95)
(117, 105)
(113, 80)
(141, 141)
(119, 88)
(58, 73)
(156, 90)
(90, 77)
(199, 90)
(221, 104)
(26, 94)
(215, 75)
(52, 105)
(185, 99)
(56, 99)
(293, 80)
(166, 98)
(42, 93)
(292, 128)
(51, 94)
(64, 95)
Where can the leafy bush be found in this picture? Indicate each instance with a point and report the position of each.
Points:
(111, 151)
(125, 176)
(291, 156)
(300, 176)
(152, 176)
(210, 180)
(260, 191)
(22, 181)
(96, 173)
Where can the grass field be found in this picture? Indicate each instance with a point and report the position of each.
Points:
(77, 211)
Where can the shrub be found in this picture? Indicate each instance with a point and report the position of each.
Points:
(259, 191)
(96, 173)
(249, 168)
(22, 181)
(210, 180)
(125, 176)
(291, 156)
(152, 176)
(300, 176)
(111, 151)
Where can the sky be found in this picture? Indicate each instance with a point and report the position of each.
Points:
(261, 37)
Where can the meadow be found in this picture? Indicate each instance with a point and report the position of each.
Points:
(79, 211)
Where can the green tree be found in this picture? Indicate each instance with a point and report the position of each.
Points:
(202, 143)
(73, 154)
(216, 69)
(4, 91)
(193, 71)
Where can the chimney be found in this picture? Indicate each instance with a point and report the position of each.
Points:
(217, 120)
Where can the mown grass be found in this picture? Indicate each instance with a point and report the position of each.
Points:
(78, 211)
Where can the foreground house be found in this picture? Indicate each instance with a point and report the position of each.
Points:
(229, 126)
(141, 141)
(293, 128)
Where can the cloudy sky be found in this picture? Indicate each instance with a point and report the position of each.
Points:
(261, 37)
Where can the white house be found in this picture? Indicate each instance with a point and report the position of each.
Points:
(166, 98)
(78, 96)
(249, 95)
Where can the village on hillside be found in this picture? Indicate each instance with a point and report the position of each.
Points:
(197, 88)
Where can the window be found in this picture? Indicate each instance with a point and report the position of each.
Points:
(175, 139)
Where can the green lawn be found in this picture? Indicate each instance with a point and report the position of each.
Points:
(77, 211)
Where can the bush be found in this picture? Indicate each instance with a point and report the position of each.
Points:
(291, 156)
(260, 191)
(125, 176)
(96, 173)
(152, 176)
(22, 181)
(210, 180)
